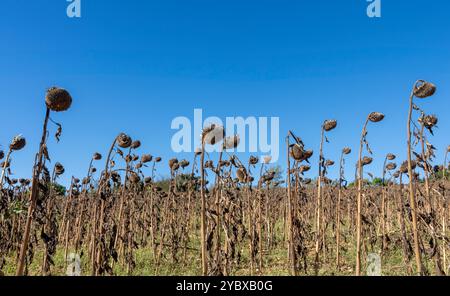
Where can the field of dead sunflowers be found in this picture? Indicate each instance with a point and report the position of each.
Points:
(233, 216)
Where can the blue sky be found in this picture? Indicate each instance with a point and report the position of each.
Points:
(134, 65)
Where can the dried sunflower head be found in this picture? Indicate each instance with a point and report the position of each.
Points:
(304, 168)
(58, 99)
(18, 143)
(267, 177)
(329, 125)
(172, 163)
(59, 169)
(241, 174)
(2, 154)
(97, 156)
(115, 177)
(424, 89)
(329, 162)
(231, 142)
(308, 154)
(184, 163)
(429, 121)
(213, 134)
(253, 160)
(134, 178)
(376, 116)
(390, 156)
(297, 152)
(146, 158)
(404, 167)
(136, 144)
(86, 180)
(123, 140)
(346, 150)
(366, 160)
(175, 166)
(391, 166)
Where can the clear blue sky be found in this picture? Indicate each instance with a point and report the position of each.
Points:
(134, 65)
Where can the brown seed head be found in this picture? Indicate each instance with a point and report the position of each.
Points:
(59, 169)
(429, 121)
(253, 160)
(346, 150)
(213, 134)
(424, 89)
(58, 99)
(376, 116)
(391, 166)
(329, 125)
(241, 174)
(134, 178)
(17, 143)
(136, 144)
(146, 158)
(297, 152)
(123, 140)
(390, 156)
(304, 168)
(172, 163)
(366, 160)
(404, 167)
(308, 154)
(175, 166)
(184, 163)
(97, 156)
